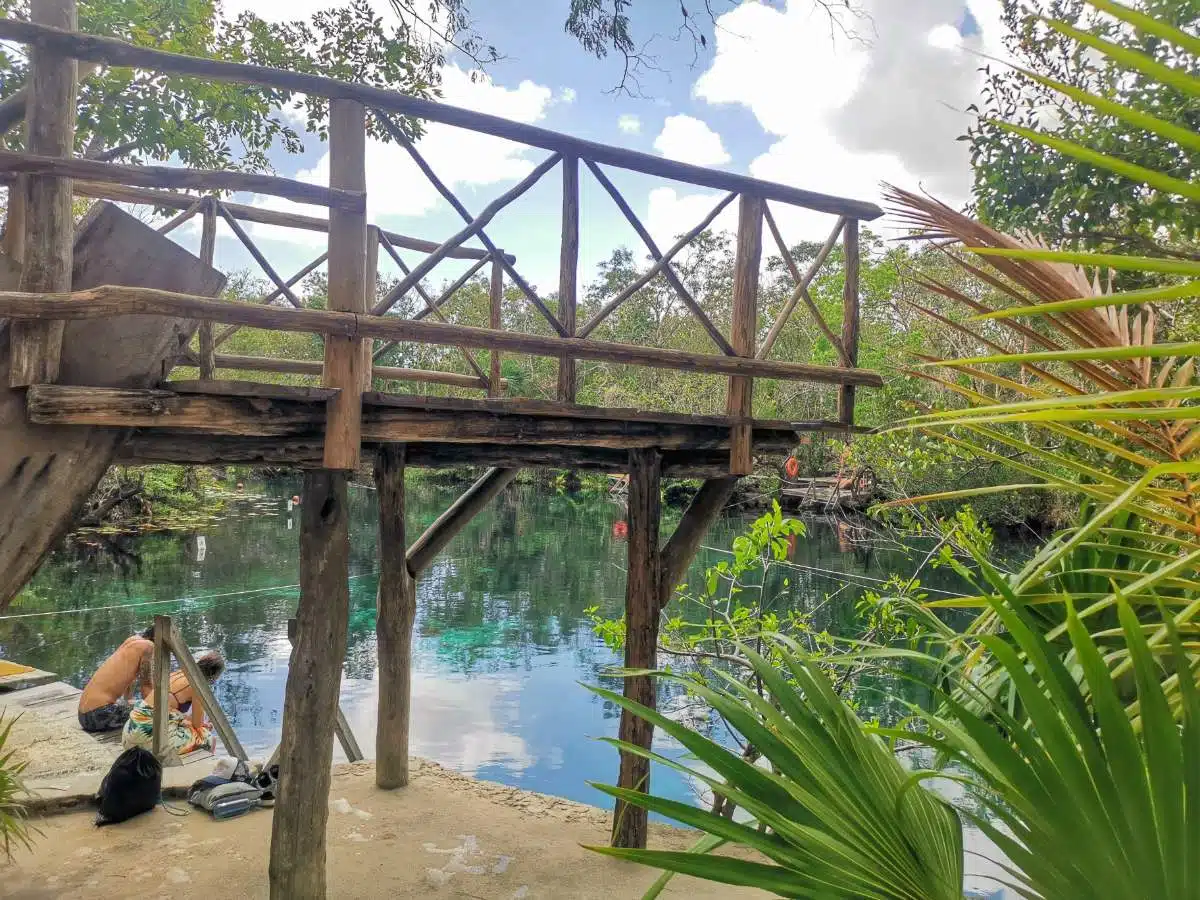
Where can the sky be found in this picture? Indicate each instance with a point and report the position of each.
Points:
(777, 94)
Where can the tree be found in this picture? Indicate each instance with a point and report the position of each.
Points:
(135, 115)
(1021, 185)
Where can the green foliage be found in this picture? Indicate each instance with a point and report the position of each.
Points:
(142, 115)
(14, 822)
(1020, 183)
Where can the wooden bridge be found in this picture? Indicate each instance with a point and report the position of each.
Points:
(99, 315)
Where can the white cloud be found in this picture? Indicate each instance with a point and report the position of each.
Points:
(845, 114)
(566, 95)
(630, 124)
(670, 214)
(690, 140)
(396, 187)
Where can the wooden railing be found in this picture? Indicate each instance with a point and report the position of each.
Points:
(355, 317)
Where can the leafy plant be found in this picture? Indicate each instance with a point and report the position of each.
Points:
(14, 824)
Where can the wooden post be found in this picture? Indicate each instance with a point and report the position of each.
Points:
(204, 695)
(849, 318)
(13, 243)
(743, 326)
(641, 636)
(396, 611)
(208, 249)
(678, 552)
(371, 279)
(496, 322)
(297, 868)
(435, 538)
(341, 727)
(49, 228)
(344, 359)
(568, 272)
(162, 681)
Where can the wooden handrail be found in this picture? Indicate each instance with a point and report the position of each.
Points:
(103, 302)
(119, 53)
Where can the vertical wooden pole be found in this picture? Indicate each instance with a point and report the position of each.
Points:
(568, 272)
(496, 321)
(396, 611)
(850, 314)
(372, 288)
(344, 358)
(14, 220)
(641, 636)
(50, 131)
(208, 250)
(162, 681)
(297, 868)
(743, 326)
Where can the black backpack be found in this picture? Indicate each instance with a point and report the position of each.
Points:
(132, 786)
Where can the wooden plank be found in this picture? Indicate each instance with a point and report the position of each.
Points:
(800, 292)
(105, 302)
(669, 271)
(663, 261)
(47, 473)
(162, 683)
(341, 727)
(505, 260)
(120, 53)
(36, 347)
(568, 272)
(297, 859)
(345, 359)
(208, 250)
(496, 323)
(314, 367)
(184, 216)
(35, 164)
(641, 637)
(172, 200)
(699, 517)
(252, 389)
(740, 402)
(473, 227)
(203, 693)
(435, 538)
(396, 612)
(850, 316)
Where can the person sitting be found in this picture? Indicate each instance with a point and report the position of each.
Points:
(107, 698)
(186, 728)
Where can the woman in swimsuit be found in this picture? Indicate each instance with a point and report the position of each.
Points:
(186, 729)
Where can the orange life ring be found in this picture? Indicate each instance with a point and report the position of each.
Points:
(792, 467)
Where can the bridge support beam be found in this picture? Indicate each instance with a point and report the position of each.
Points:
(297, 868)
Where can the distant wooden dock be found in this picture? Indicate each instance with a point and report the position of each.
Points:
(826, 493)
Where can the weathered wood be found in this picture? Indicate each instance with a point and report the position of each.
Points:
(48, 473)
(438, 303)
(800, 291)
(432, 307)
(161, 672)
(104, 302)
(699, 517)
(341, 727)
(12, 108)
(228, 332)
(148, 447)
(171, 177)
(496, 323)
(641, 637)
(313, 367)
(36, 347)
(647, 276)
(345, 359)
(395, 613)
(13, 243)
(263, 263)
(172, 224)
(208, 250)
(473, 227)
(297, 867)
(120, 53)
(435, 538)
(669, 271)
(568, 272)
(371, 283)
(744, 324)
(252, 389)
(203, 694)
(259, 215)
(850, 315)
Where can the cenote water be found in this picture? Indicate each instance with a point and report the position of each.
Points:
(502, 640)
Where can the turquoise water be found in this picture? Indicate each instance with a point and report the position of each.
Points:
(502, 640)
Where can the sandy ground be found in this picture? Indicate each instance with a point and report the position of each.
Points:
(51, 747)
(444, 835)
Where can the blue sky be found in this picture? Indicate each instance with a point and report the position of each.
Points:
(777, 94)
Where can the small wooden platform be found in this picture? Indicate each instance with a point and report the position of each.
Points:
(15, 677)
(825, 492)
